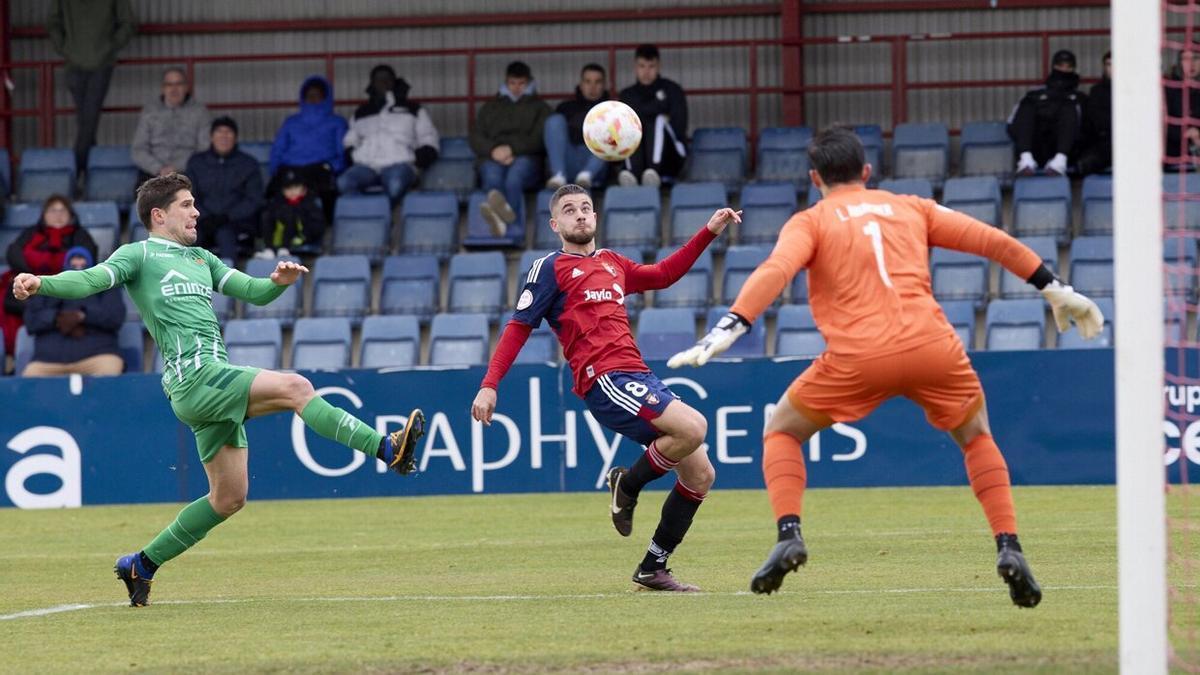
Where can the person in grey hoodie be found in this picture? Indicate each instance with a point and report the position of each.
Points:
(170, 129)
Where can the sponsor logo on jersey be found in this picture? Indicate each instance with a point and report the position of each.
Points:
(616, 294)
(182, 287)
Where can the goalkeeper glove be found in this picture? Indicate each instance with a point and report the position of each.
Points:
(722, 336)
(1069, 306)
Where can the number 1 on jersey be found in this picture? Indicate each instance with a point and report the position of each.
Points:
(872, 230)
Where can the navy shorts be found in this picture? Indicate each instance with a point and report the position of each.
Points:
(627, 402)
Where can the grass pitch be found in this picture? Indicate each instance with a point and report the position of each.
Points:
(898, 580)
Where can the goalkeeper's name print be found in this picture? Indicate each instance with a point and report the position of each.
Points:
(863, 209)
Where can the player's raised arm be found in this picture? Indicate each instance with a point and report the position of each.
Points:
(122, 266)
(672, 268)
(255, 290)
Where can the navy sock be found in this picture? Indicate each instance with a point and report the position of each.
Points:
(148, 568)
(677, 514)
(789, 527)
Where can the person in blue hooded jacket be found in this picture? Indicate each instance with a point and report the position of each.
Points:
(310, 143)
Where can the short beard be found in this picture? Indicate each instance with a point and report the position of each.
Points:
(578, 239)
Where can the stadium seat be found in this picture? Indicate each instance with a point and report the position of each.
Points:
(20, 216)
(454, 170)
(814, 195)
(131, 344)
(1179, 258)
(390, 342)
(693, 290)
(1097, 205)
(1092, 266)
(1011, 286)
(222, 307)
(6, 237)
(103, 222)
(478, 283)
(717, 154)
(871, 136)
(342, 287)
(285, 308)
(458, 340)
(692, 204)
(765, 208)
(254, 342)
(783, 156)
(796, 333)
(740, 262)
(541, 347)
(1015, 324)
(663, 331)
(544, 238)
(958, 276)
(44, 172)
(961, 315)
(409, 285)
(261, 152)
(23, 350)
(429, 223)
(362, 224)
(918, 187)
(480, 233)
(131, 311)
(321, 344)
(111, 174)
(798, 295)
(6, 183)
(921, 151)
(986, 150)
(1042, 205)
(1181, 203)
(634, 302)
(976, 196)
(751, 345)
(1072, 340)
(632, 217)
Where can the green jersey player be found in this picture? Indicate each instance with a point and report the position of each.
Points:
(172, 283)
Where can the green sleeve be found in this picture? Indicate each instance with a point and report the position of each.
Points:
(120, 268)
(240, 285)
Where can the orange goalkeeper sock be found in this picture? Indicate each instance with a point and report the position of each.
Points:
(783, 469)
(988, 474)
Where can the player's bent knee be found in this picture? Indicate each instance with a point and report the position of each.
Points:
(300, 391)
(694, 430)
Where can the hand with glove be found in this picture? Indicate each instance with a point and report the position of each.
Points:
(722, 336)
(1069, 306)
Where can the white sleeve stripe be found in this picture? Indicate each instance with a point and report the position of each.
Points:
(221, 285)
(112, 278)
(535, 269)
(144, 250)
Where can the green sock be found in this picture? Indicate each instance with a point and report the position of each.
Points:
(189, 527)
(340, 426)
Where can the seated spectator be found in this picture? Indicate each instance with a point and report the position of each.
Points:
(1096, 156)
(170, 129)
(40, 249)
(565, 150)
(1183, 140)
(292, 219)
(228, 189)
(75, 336)
(1044, 125)
(507, 138)
(662, 107)
(310, 143)
(391, 138)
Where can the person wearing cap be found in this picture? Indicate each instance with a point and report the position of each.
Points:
(75, 336)
(1045, 124)
(228, 188)
(293, 221)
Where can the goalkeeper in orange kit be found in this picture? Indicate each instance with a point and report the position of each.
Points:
(867, 256)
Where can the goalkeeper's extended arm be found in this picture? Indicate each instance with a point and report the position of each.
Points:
(1068, 305)
(722, 336)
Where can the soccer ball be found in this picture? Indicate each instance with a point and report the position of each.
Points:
(612, 131)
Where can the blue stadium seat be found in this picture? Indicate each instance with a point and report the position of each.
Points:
(1015, 324)
(131, 311)
(458, 340)
(103, 222)
(321, 344)
(921, 151)
(751, 345)
(22, 350)
(342, 287)
(796, 333)
(1012, 286)
(814, 195)
(429, 223)
(285, 308)
(986, 150)
(362, 224)
(131, 344)
(976, 196)
(6, 183)
(1042, 205)
(541, 347)
(663, 331)
(44, 172)
(1179, 258)
(740, 262)
(261, 152)
(1181, 201)
(544, 238)
(254, 342)
(1072, 340)
(480, 233)
(20, 216)
(111, 174)
(390, 342)
(958, 276)
(7, 236)
(694, 290)
(634, 302)
(798, 295)
(409, 285)
(222, 307)
(783, 156)
(765, 208)
(478, 283)
(632, 217)
(871, 136)
(1092, 266)
(454, 170)
(1097, 205)
(961, 315)
(692, 204)
(918, 187)
(718, 154)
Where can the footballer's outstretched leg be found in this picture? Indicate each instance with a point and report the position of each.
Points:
(620, 504)
(787, 556)
(660, 580)
(1014, 569)
(130, 570)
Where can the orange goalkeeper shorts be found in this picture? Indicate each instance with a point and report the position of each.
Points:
(936, 376)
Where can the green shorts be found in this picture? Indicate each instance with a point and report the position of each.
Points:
(214, 405)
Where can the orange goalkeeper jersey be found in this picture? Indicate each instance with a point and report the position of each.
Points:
(867, 256)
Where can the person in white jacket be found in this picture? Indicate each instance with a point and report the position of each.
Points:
(391, 139)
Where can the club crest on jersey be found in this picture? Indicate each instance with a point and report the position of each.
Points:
(651, 399)
(525, 300)
(199, 261)
(610, 269)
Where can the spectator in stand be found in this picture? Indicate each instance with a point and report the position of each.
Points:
(565, 150)
(1045, 124)
(310, 144)
(507, 138)
(662, 107)
(292, 219)
(40, 249)
(170, 129)
(391, 139)
(75, 336)
(228, 189)
(1096, 156)
(1183, 140)
(88, 34)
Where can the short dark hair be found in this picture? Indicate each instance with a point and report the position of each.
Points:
(646, 51)
(568, 189)
(592, 66)
(837, 155)
(518, 69)
(224, 121)
(158, 193)
(57, 198)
